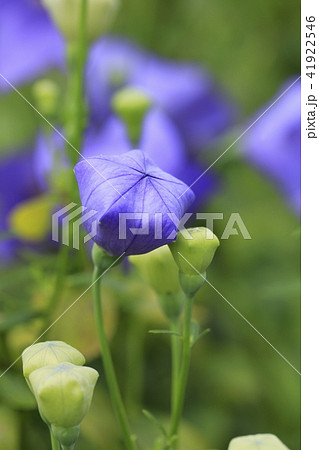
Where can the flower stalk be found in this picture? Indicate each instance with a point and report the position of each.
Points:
(75, 114)
(193, 253)
(180, 383)
(175, 354)
(109, 370)
(54, 442)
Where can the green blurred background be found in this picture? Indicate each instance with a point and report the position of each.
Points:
(238, 383)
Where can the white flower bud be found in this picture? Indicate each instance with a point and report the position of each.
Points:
(257, 442)
(47, 353)
(66, 15)
(63, 393)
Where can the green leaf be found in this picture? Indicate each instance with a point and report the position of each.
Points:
(164, 332)
(155, 421)
(202, 334)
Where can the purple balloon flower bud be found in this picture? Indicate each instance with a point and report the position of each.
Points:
(137, 204)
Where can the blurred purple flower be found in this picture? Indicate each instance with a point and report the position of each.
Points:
(160, 140)
(189, 96)
(19, 168)
(48, 157)
(112, 64)
(29, 43)
(183, 91)
(274, 143)
(132, 184)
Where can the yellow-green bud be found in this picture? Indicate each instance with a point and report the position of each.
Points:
(194, 250)
(131, 105)
(103, 260)
(66, 15)
(63, 393)
(48, 353)
(46, 95)
(158, 269)
(257, 442)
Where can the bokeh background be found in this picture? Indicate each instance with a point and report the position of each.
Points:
(238, 384)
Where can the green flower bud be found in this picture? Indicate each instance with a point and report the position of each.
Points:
(131, 105)
(48, 353)
(46, 95)
(66, 15)
(159, 270)
(63, 393)
(103, 260)
(257, 442)
(194, 252)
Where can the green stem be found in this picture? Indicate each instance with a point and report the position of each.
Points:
(58, 287)
(108, 364)
(75, 120)
(60, 276)
(135, 364)
(175, 351)
(54, 442)
(178, 401)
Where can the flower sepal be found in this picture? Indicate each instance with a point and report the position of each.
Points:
(66, 436)
(191, 283)
(102, 260)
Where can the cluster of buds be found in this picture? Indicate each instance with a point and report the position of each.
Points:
(177, 267)
(62, 386)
